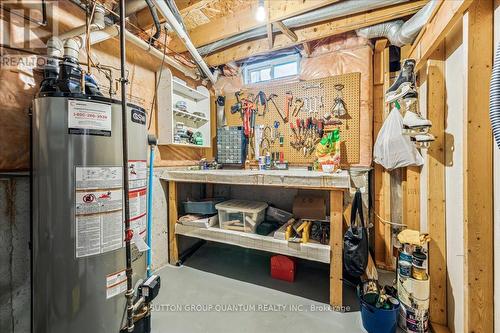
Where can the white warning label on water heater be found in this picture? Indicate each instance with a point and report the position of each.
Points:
(116, 284)
(137, 174)
(89, 118)
(98, 210)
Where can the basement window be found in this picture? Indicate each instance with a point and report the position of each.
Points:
(272, 69)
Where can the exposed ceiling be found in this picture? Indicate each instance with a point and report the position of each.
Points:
(208, 21)
(205, 11)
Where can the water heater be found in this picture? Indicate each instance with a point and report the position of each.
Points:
(78, 260)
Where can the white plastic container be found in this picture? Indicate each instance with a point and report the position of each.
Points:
(241, 215)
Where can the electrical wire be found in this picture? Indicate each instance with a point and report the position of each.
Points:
(389, 222)
(140, 30)
(157, 83)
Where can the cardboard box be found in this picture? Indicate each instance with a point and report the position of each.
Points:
(309, 207)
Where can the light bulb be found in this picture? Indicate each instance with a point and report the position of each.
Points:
(261, 13)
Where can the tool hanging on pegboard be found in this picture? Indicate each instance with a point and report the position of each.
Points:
(312, 103)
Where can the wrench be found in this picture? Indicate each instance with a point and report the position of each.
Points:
(313, 85)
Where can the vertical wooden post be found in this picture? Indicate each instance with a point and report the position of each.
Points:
(478, 175)
(381, 178)
(411, 182)
(172, 220)
(336, 241)
(411, 200)
(436, 190)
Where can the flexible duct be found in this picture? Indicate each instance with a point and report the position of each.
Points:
(398, 32)
(338, 9)
(495, 97)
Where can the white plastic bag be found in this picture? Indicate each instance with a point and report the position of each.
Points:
(393, 149)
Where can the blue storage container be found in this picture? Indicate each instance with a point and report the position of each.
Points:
(379, 320)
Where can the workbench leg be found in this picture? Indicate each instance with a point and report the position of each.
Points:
(336, 240)
(172, 220)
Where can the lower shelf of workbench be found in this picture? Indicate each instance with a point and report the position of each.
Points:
(309, 251)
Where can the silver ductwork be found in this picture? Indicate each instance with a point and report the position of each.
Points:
(398, 32)
(338, 9)
(179, 30)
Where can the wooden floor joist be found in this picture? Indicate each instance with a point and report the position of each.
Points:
(314, 32)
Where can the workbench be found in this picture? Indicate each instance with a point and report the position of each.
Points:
(335, 184)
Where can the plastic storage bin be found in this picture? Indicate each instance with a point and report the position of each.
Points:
(241, 215)
(204, 207)
(379, 320)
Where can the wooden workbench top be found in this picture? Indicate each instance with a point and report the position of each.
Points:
(297, 178)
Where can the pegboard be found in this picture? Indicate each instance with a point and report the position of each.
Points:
(349, 129)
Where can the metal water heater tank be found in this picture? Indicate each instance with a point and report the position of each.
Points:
(78, 221)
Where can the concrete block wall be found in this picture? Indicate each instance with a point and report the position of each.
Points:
(15, 283)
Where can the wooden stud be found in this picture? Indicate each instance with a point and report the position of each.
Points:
(172, 221)
(436, 30)
(307, 49)
(286, 31)
(478, 171)
(378, 118)
(411, 202)
(336, 241)
(270, 35)
(436, 328)
(436, 188)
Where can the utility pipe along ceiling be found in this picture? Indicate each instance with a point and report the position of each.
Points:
(398, 32)
(101, 31)
(336, 10)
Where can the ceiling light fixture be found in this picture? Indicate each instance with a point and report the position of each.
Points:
(261, 12)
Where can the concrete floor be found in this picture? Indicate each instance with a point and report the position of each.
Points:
(220, 276)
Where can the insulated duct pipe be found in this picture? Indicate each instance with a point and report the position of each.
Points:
(338, 9)
(172, 20)
(398, 32)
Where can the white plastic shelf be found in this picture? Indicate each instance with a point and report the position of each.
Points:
(310, 251)
(188, 91)
(190, 116)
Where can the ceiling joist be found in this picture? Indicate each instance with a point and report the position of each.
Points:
(314, 32)
(245, 19)
(286, 31)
